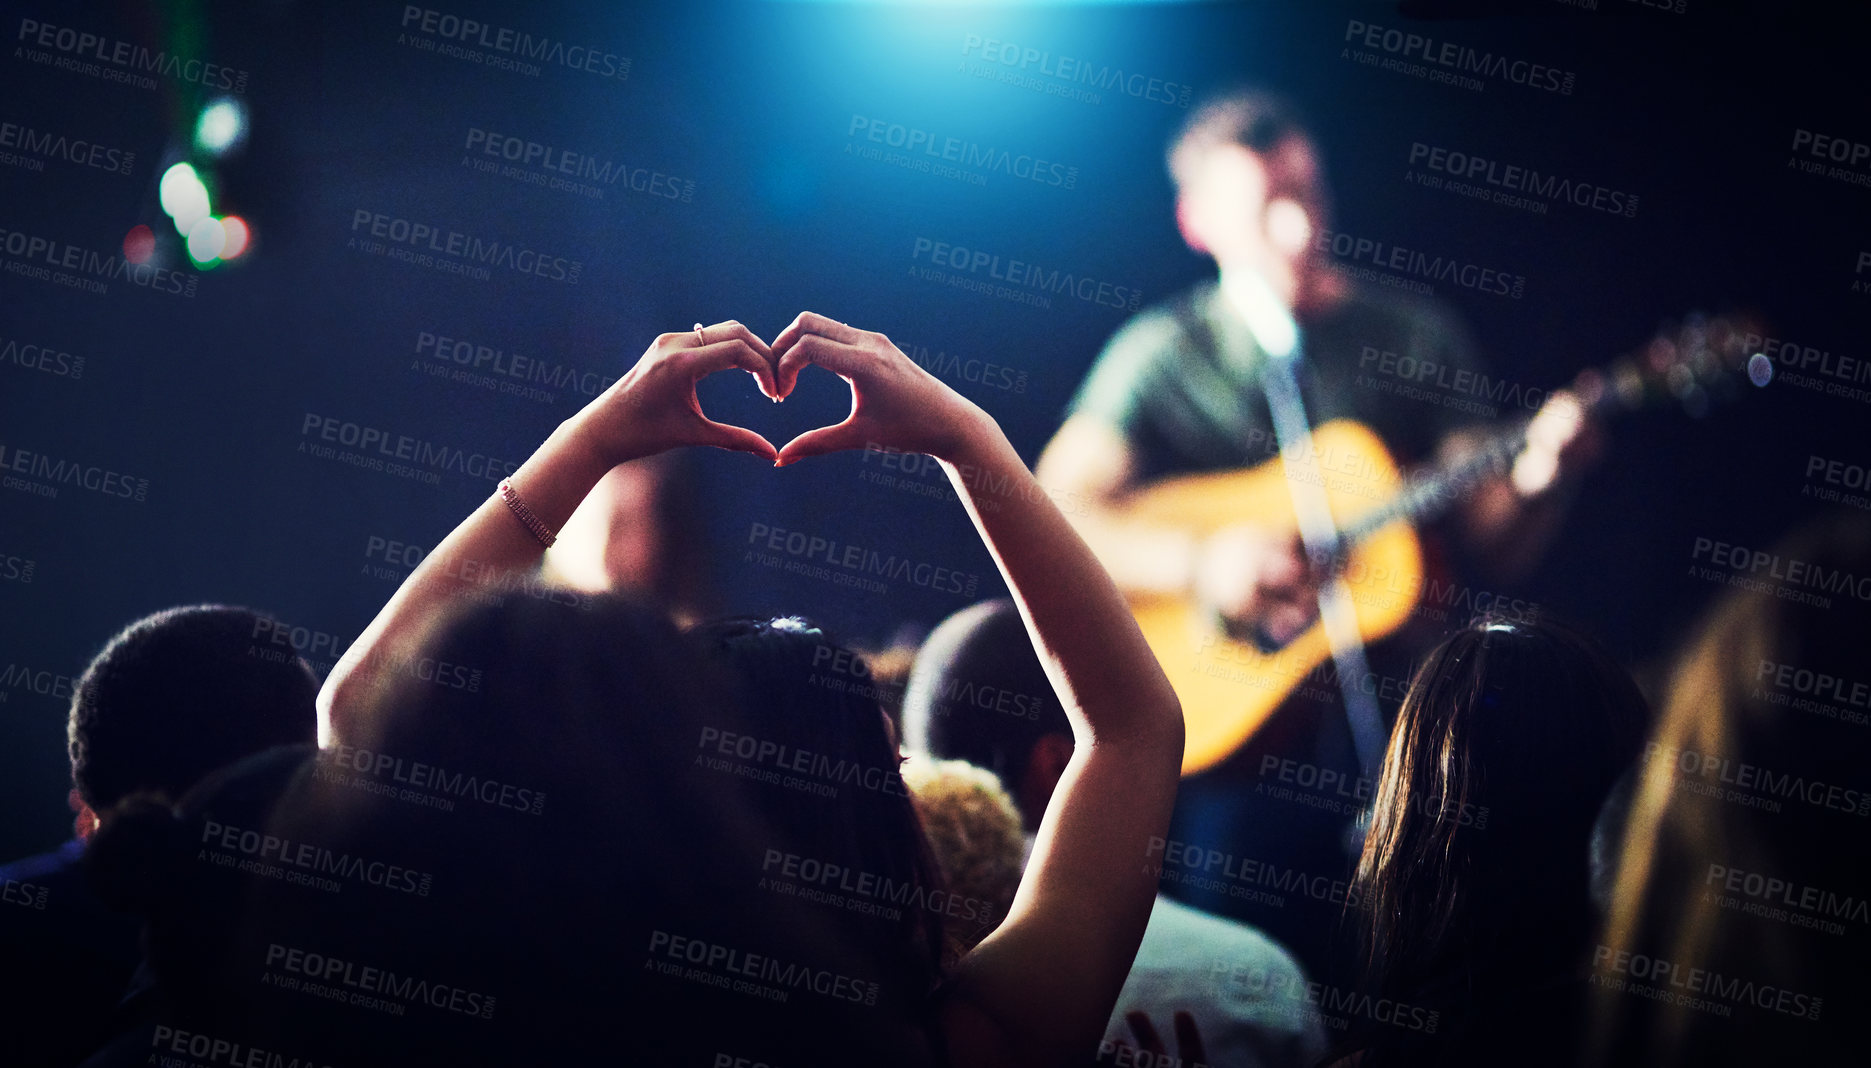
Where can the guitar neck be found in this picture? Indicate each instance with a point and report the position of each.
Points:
(1431, 493)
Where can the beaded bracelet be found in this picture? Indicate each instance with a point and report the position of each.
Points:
(531, 522)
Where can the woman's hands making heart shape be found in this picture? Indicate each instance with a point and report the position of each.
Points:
(895, 404)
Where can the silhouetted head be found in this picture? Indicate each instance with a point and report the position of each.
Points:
(534, 840)
(827, 759)
(179, 693)
(978, 693)
(1747, 827)
(1477, 857)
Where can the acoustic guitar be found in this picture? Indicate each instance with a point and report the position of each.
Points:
(1229, 684)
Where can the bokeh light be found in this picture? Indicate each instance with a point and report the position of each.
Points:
(222, 126)
(139, 244)
(183, 196)
(206, 239)
(238, 236)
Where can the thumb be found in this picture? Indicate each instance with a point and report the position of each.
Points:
(737, 439)
(818, 442)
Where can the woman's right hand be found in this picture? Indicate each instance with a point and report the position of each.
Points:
(895, 404)
(653, 408)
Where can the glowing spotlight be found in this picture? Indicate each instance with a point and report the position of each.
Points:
(183, 196)
(139, 244)
(238, 236)
(221, 127)
(206, 239)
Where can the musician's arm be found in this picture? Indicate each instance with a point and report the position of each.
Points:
(1088, 467)
(1509, 522)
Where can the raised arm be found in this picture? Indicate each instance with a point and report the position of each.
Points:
(651, 409)
(1089, 461)
(1040, 989)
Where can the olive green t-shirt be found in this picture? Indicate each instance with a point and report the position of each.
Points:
(1182, 381)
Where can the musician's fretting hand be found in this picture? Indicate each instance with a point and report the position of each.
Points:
(1561, 441)
(1258, 578)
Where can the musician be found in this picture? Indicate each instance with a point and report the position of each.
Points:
(1180, 389)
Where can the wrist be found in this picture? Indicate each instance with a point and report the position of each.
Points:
(582, 441)
(973, 437)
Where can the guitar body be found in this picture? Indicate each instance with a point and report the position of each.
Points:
(1228, 688)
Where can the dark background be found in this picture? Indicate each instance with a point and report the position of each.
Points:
(204, 397)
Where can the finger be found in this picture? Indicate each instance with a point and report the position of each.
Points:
(722, 355)
(814, 323)
(1188, 1040)
(818, 442)
(835, 356)
(737, 438)
(729, 329)
(1145, 1031)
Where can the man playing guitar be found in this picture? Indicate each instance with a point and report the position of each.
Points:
(1180, 389)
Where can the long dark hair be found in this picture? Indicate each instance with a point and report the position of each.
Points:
(851, 807)
(1773, 684)
(538, 783)
(1507, 742)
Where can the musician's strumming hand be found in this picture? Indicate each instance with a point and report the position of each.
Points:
(1258, 579)
(1561, 441)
